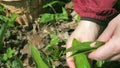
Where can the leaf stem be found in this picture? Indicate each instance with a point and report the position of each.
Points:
(52, 9)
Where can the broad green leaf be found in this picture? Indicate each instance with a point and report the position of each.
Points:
(76, 46)
(79, 49)
(81, 61)
(37, 58)
(83, 47)
(47, 18)
(17, 63)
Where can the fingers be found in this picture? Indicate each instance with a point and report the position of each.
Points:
(107, 34)
(106, 51)
(70, 61)
(115, 58)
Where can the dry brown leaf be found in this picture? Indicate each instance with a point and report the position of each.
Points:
(27, 10)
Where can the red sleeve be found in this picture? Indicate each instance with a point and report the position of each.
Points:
(97, 9)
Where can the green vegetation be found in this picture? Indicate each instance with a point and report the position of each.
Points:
(79, 54)
(7, 57)
(55, 16)
(45, 57)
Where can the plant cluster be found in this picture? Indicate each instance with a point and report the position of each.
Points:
(7, 58)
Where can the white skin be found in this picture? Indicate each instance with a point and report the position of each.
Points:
(88, 31)
(111, 36)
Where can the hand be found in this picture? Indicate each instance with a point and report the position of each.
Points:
(86, 31)
(111, 49)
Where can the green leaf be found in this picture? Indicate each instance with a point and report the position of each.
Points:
(2, 8)
(8, 64)
(54, 41)
(76, 46)
(4, 18)
(5, 57)
(37, 58)
(8, 22)
(2, 34)
(98, 44)
(17, 63)
(79, 50)
(81, 61)
(99, 64)
(10, 52)
(47, 18)
(62, 16)
(52, 3)
(78, 18)
(83, 47)
(54, 17)
(12, 20)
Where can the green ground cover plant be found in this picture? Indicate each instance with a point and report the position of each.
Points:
(45, 57)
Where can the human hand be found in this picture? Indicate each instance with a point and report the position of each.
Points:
(111, 36)
(86, 31)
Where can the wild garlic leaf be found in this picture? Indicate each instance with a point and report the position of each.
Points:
(84, 47)
(88, 48)
(79, 49)
(46, 18)
(39, 61)
(76, 46)
(81, 61)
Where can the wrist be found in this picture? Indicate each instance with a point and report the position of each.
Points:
(99, 22)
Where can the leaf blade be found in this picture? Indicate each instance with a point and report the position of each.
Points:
(37, 58)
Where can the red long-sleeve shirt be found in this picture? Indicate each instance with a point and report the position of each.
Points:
(96, 9)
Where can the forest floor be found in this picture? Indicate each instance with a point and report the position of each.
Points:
(39, 35)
